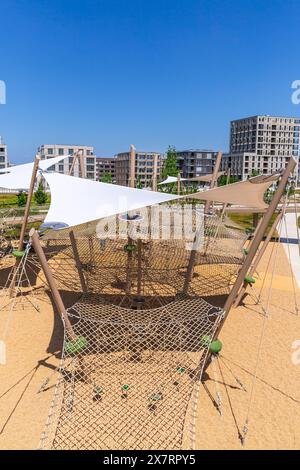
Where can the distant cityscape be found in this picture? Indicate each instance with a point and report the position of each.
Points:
(257, 145)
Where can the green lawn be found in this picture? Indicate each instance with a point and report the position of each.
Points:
(11, 200)
(246, 221)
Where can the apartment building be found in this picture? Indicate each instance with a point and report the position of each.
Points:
(144, 167)
(3, 154)
(262, 144)
(105, 166)
(193, 163)
(70, 165)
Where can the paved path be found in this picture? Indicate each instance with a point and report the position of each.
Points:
(289, 239)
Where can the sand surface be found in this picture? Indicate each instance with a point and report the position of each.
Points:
(34, 339)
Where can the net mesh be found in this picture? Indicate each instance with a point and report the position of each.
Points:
(133, 360)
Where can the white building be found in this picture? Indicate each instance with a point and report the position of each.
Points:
(72, 164)
(3, 154)
(262, 144)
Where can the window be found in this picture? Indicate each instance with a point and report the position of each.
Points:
(71, 152)
(60, 151)
(90, 160)
(50, 151)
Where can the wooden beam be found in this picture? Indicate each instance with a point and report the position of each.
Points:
(77, 261)
(51, 282)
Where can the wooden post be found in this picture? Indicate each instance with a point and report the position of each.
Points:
(73, 163)
(51, 282)
(81, 162)
(214, 180)
(191, 265)
(139, 267)
(178, 183)
(228, 176)
(258, 257)
(154, 178)
(254, 247)
(132, 166)
(24, 223)
(77, 261)
(28, 202)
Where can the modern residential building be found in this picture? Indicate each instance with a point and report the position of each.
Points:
(194, 163)
(262, 144)
(144, 167)
(105, 166)
(68, 165)
(3, 154)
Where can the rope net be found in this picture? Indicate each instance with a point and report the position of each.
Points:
(131, 366)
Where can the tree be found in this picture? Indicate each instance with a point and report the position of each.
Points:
(106, 177)
(40, 195)
(223, 180)
(139, 184)
(170, 167)
(22, 199)
(254, 173)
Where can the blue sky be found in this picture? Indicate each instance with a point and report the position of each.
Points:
(110, 73)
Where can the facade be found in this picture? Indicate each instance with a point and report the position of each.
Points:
(144, 167)
(262, 144)
(193, 163)
(3, 154)
(104, 166)
(68, 165)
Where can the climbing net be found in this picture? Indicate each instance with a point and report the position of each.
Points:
(127, 380)
(133, 359)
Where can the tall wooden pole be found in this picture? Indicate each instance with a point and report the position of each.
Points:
(255, 245)
(28, 202)
(81, 163)
(132, 166)
(77, 261)
(214, 180)
(24, 223)
(178, 183)
(154, 178)
(51, 282)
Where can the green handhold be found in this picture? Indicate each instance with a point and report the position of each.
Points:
(245, 251)
(249, 280)
(129, 247)
(77, 346)
(18, 253)
(125, 387)
(180, 370)
(216, 346)
(205, 340)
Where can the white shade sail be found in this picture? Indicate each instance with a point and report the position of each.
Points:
(19, 176)
(248, 193)
(172, 179)
(75, 201)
